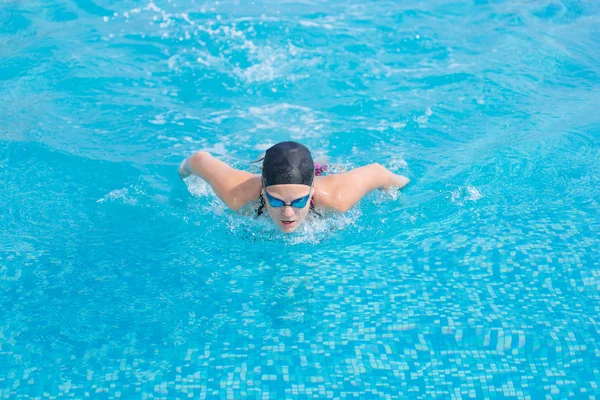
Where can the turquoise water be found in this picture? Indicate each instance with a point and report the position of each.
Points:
(480, 280)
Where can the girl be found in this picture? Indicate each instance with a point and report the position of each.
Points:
(290, 183)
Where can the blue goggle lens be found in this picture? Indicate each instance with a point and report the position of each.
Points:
(298, 203)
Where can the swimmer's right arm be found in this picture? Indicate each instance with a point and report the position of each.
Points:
(233, 186)
(343, 191)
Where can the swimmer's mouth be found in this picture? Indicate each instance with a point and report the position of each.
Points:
(287, 223)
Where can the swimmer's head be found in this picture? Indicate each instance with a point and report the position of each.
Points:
(288, 163)
(288, 174)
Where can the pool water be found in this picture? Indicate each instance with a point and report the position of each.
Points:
(480, 280)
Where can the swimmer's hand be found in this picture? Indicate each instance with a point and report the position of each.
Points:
(184, 170)
(397, 181)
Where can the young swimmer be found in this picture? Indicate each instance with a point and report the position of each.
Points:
(289, 183)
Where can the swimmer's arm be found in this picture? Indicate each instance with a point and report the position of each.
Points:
(343, 191)
(233, 186)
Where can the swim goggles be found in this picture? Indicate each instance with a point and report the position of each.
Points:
(298, 203)
(276, 203)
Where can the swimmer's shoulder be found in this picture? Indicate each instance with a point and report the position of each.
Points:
(245, 191)
(326, 191)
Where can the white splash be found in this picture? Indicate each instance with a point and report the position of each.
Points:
(464, 194)
(121, 195)
(474, 194)
(202, 190)
(423, 119)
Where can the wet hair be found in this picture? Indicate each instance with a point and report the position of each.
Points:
(288, 163)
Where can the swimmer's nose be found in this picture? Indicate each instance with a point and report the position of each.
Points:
(288, 211)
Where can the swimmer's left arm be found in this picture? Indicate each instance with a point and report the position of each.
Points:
(343, 191)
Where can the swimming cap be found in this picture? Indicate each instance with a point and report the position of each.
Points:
(288, 163)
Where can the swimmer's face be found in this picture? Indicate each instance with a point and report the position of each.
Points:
(288, 218)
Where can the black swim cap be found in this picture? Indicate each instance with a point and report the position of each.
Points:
(288, 163)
